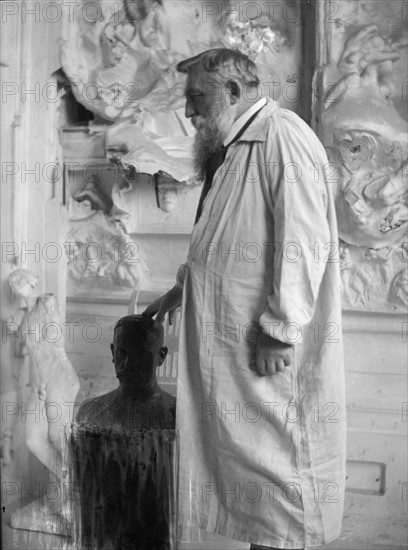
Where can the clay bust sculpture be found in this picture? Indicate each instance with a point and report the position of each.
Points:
(124, 450)
(138, 402)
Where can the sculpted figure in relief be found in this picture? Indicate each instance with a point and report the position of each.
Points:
(101, 254)
(126, 55)
(399, 289)
(370, 152)
(53, 379)
(114, 53)
(370, 143)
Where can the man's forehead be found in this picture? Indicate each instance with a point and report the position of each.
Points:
(199, 80)
(167, 186)
(137, 344)
(138, 335)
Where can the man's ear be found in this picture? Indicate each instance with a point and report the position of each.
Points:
(235, 90)
(162, 355)
(112, 348)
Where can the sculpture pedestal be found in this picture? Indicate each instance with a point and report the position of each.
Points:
(40, 516)
(125, 488)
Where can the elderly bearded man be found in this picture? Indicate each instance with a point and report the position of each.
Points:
(260, 404)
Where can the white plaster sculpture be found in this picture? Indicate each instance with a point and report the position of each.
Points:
(114, 53)
(101, 255)
(370, 143)
(6, 448)
(260, 39)
(168, 192)
(250, 36)
(399, 289)
(147, 143)
(370, 170)
(125, 53)
(54, 386)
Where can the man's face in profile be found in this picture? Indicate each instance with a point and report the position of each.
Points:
(207, 99)
(209, 107)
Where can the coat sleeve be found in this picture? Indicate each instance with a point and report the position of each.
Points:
(302, 236)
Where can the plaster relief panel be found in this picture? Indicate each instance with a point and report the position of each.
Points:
(102, 253)
(365, 129)
(120, 57)
(122, 67)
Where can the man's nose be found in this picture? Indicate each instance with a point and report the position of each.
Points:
(190, 110)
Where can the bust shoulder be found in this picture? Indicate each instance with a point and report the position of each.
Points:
(94, 406)
(166, 405)
(168, 399)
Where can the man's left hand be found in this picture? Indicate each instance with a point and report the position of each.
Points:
(272, 356)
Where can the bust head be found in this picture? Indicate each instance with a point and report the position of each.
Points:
(24, 284)
(137, 350)
(80, 210)
(167, 191)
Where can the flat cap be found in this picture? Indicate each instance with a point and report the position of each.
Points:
(213, 59)
(185, 65)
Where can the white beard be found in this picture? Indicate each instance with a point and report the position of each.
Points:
(211, 132)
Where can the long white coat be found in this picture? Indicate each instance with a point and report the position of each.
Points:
(263, 458)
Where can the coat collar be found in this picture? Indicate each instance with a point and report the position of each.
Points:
(259, 128)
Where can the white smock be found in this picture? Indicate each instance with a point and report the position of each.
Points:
(262, 458)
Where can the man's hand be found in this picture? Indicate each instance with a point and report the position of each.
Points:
(168, 303)
(272, 356)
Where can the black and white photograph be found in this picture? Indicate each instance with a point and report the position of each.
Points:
(204, 274)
